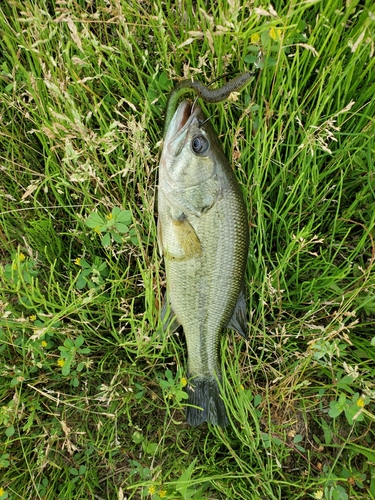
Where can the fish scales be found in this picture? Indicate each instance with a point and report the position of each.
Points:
(203, 235)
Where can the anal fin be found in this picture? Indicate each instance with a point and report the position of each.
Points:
(168, 317)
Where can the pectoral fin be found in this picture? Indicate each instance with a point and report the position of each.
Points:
(238, 319)
(187, 237)
(168, 317)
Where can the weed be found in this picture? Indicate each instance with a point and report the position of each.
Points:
(91, 390)
(114, 225)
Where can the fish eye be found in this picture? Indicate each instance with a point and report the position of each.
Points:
(200, 144)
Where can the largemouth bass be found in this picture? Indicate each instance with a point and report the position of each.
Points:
(203, 235)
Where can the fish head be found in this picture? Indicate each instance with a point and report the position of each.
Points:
(189, 155)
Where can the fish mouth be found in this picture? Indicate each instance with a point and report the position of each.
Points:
(184, 114)
(177, 132)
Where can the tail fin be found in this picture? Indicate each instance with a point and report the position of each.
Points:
(204, 392)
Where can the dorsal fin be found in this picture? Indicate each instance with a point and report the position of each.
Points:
(238, 321)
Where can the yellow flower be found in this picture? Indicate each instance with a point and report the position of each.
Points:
(318, 494)
(44, 343)
(14, 266)
(109, 216)
(360, 402)
(2, 491)
(162, 493)
(96, 229)
(255, 38)
(61, 362)
(275, 33)
(242, 387)
(78, 261)
(21, 257)
(183, 381)
(32, 317)
(151, 490)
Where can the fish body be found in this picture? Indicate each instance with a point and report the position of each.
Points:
(203, 236)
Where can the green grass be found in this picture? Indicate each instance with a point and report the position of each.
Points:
(91, 399)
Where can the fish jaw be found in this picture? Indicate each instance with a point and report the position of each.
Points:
(185, 119)
(181, 121)
(177, 131)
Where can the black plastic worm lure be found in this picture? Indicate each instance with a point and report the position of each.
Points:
(208, 95)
